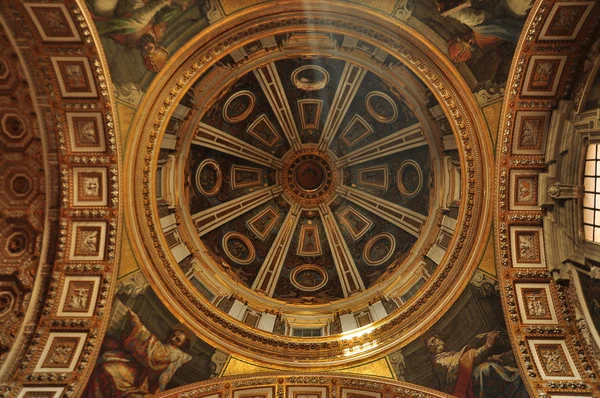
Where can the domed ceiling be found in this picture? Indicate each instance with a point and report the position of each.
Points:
(307, 188)
(307, 180)
(310, 179)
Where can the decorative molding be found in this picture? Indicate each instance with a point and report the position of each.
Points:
(543, 328)
(302, 385)
(417, 56)
(72, 110)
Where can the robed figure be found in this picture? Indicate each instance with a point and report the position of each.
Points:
(137, 364)
(473, 371)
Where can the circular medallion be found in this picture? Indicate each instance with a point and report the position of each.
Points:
(238, 248)
(239, 106)
(310, 78)
(379, 249)
(209, 177)
(409, 178)
(382, 107)
(308, 177)
(309, 277)
(13, 126)
(7, 301)
(16, 244)
(20, 185)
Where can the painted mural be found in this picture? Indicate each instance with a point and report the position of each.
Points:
(591, 292)
(138, 37)
(592, 99)
(480, 36)
(467, 352)
(146, 350)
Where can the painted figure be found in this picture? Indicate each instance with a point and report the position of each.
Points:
(137, 365)
(139, 24)
(130, 20)
(473, 372)
(489, 21)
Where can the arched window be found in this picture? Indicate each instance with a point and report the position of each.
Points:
(591, 196)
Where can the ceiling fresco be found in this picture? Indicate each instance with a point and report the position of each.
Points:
(309, 199)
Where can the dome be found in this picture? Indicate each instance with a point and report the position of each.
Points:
(299, 198)
(319, 170)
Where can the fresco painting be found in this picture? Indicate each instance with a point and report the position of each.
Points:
(590, 287)
(480, 35)
(146, 350)
(467, 352)
(139, 36)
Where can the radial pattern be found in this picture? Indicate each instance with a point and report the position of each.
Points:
(311, 179)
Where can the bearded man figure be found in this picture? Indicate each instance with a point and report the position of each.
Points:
(138, 364)
(474, 372)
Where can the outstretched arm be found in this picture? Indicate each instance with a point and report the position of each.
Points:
(483, 352)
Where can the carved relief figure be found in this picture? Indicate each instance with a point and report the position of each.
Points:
(373, 177)
(380, 250)
(310, 78)
(87, 133)
(542, 74)
(382, 107)
(311, 114)
(535, 307)
(208, 177)
(61, 354)
(238, 106)
(553, 362)
(473, 372)
(355, 132)
(89, 241)
(525, 190)
(356, 223)
(244, 176)
(527, 247)
(137, 364)
(262, 222)
(80, 298)
(308, 279)
(530, 132)
(309, 242)
(91, 186)
(75, 76)
(238, 248)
